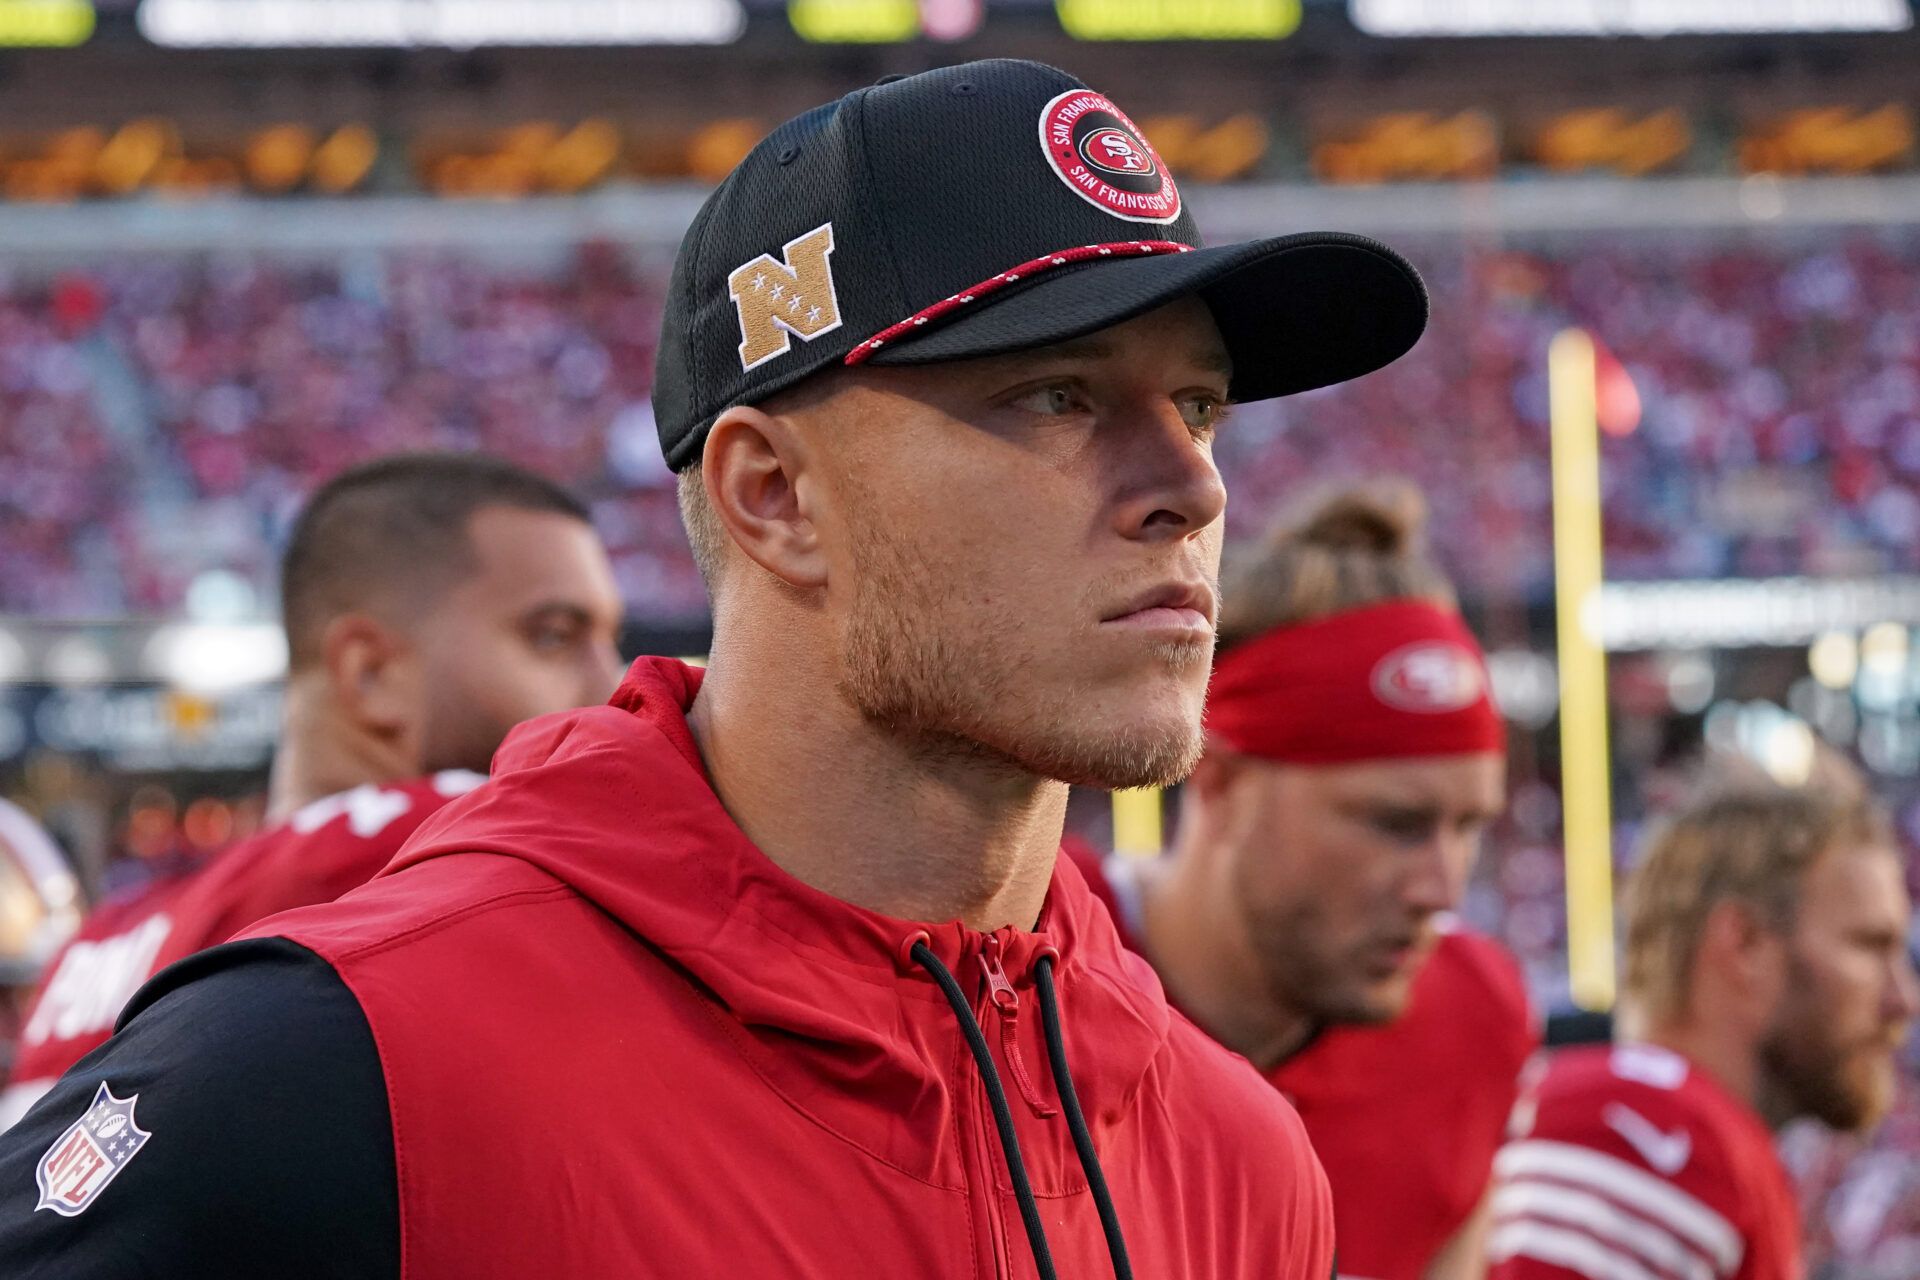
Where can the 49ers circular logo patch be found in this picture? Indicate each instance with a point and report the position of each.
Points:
(1432, 677)
(1105, 160)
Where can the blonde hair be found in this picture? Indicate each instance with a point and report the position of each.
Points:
(1353, 547)
(705, 534)
(1746, 841)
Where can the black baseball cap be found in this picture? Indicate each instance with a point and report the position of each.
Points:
(981, 209)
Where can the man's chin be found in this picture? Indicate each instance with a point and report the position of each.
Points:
(1847, 1092)
(1135, 757)
(1369, 1006)
(1871, 1092)
(1386, 1000)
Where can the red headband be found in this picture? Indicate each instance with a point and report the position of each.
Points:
(1388, 681)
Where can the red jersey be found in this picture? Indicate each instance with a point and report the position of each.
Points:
(1447, 1070)
(1627, 1163)
(317, 854)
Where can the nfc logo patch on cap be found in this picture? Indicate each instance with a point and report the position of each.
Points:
(1431, 677)
(792, 294)
(1104, 158)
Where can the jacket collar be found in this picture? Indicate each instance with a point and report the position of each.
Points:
(615, 802)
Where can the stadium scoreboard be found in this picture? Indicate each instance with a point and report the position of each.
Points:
(464, 24)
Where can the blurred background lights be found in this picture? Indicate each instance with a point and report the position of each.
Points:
(78, 659)
(1525, 686)
(1884, 647)
(1882, 680)
(1787, 751)
(1690, 683)
(212, 658)
(13, 657)
(220, 595)
(1834, 660)
(1777, 740)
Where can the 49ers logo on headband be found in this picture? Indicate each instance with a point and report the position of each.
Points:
(1432, 678)
(1105, 160)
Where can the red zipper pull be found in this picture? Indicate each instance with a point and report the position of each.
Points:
(1006, 1002)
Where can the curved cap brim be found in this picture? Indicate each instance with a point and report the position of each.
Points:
(1296, 312)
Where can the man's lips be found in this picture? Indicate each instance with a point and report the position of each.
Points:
(1391, 956)
(1178, 606)
(1160, 617)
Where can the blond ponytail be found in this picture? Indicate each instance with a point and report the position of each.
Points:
(1352, 548)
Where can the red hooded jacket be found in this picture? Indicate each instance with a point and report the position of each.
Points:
(619, 1041)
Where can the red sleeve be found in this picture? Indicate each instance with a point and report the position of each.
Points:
(1614, 1179)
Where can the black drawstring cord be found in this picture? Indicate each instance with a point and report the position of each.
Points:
(1077, 1120)
(997, 1095)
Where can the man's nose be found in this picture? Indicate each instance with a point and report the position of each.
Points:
(1174, 489)
(1437, 877)
(1903, 993)
(603, 674)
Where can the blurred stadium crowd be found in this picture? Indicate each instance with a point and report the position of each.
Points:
(146, 446)
(143, 407)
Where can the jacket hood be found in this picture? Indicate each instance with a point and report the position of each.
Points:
(823, 997)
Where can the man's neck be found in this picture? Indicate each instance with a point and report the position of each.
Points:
(844, 806)
(1724, 1058)
(319, 755)
(1209, 970)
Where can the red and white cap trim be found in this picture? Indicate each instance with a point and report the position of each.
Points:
(946, 307)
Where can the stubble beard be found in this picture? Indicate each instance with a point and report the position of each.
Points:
(939, 683)
(1302, 974)
(1810, 1073)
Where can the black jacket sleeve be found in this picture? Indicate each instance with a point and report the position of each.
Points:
(271, 1151)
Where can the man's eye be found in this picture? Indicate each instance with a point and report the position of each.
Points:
(1203, 414)
(1051, 401)
(1411, 827)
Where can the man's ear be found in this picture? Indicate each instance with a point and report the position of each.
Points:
(372, 674)
(1216, 771)
(754, 466)
(1209, 814)
(1746, 955)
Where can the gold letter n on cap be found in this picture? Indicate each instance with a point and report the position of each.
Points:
(776, 298)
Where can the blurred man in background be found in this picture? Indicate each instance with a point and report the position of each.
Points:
(431, 602)
(1353, 758)
(1767, 978)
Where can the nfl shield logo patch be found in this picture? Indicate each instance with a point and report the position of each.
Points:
(90, 1154)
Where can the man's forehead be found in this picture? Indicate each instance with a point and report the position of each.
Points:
(1452, 781)
(528, 554)
(1861, 879)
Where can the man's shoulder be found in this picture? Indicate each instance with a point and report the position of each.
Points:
(1473, 987)
(340, 842)
(1575, 1091)
(1467, 960)
(1215, 1091)
(421, 900)
(238, 997)
(243, 1085)
(1236, 1140)
(1627, 1128)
